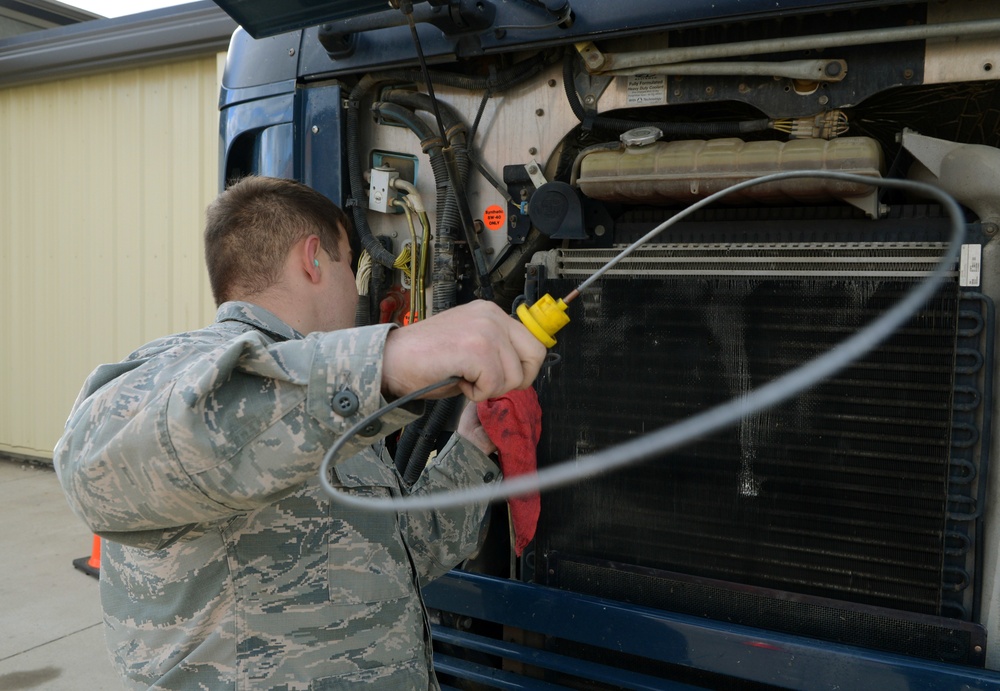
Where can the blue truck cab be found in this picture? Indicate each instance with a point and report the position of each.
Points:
(846, 538)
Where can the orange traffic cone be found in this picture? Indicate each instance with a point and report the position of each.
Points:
(91, 565)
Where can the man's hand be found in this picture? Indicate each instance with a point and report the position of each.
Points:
(470, 427)
(479, 343)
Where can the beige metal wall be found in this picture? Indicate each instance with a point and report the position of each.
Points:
(103, 184)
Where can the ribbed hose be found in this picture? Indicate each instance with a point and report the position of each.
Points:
(408, 439)
(418, 101)
(427, 439)
(670, 129)
(444, 290)
(443, 278)
(443, 265)
(378, 288)
(363, 311)
(405, 116)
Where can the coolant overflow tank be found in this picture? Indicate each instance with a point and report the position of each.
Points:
(685, 171)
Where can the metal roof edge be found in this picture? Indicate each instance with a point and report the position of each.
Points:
(106, 44)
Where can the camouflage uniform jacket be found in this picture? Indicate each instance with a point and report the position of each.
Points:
(224, 564)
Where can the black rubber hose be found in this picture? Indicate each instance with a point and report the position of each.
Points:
(363, 312)
(408, 439)
(445, 287)
(420, 101)
(670, 129)
(404, 116)
(427, 439)
(443, 275)
(379, 254)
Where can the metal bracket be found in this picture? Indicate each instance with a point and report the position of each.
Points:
(809, 70)
(593, 59)
(535, 173)
(590, 87)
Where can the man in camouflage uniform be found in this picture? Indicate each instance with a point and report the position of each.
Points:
(224, 564)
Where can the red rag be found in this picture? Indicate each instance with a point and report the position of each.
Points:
(513, 422)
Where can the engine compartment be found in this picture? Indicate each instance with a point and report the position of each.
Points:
(523, 166)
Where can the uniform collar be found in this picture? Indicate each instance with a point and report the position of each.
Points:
(257, 317)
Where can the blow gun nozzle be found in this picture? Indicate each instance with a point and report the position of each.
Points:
(544, 318)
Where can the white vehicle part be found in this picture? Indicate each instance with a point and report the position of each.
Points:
(685, 171)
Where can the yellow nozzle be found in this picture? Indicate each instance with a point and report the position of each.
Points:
(544, 318)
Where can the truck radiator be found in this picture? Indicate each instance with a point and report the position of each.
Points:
(849, 513)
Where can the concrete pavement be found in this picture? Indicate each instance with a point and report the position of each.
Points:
(51, 635)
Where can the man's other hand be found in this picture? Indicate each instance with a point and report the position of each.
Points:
(470, 427)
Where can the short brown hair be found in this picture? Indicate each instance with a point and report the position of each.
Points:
(252, 225)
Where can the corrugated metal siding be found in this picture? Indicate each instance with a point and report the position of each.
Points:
(103, 184)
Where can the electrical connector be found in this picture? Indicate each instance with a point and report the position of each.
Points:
(381, 192)
(828, 125)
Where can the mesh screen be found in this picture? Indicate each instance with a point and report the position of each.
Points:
(840, 493)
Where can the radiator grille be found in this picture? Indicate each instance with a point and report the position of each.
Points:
(842, 493)
(811, 260)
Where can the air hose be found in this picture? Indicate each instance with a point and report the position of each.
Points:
(675, 435)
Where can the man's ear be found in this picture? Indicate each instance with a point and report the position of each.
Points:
(310, 251)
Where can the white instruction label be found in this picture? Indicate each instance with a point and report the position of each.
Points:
(647, 90)
(971, 266)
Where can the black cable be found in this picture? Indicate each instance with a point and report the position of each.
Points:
(487, 95)
(439, 416)
(324, 469)
(407, 8)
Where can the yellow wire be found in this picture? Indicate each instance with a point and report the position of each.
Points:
(403, 261)
(422, 279)
(413, 257)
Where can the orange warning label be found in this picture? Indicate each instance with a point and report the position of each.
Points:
(494, 217)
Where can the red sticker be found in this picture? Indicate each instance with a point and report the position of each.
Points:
(494, 217)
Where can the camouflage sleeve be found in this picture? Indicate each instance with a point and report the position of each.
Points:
(201, 432)
(439, 540)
